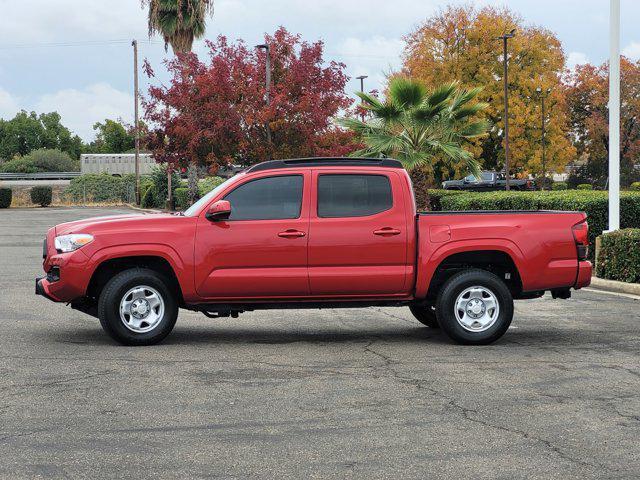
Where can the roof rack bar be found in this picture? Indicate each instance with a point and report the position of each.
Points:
(325, 162)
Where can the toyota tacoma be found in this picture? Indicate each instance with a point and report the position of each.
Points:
(314, 233)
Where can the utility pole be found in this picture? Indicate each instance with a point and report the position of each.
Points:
(265, 47)
(136, 127)
(543, 95)
(614, 116)
(505, 61)
(361, 78)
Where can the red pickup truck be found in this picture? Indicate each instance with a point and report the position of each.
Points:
(314, 233)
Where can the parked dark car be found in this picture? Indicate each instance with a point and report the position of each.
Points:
(488, 182)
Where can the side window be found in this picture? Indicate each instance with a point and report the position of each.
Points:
(353, 195)
(268, 198)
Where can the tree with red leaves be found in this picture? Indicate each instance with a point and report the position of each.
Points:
(215, 113)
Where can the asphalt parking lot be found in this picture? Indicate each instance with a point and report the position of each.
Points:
(361, 393)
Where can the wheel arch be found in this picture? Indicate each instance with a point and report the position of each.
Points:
(114, 265)
(498, 261)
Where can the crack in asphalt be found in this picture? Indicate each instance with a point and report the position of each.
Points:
(467, 413)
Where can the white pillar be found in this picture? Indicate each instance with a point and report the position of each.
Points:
(614, 117)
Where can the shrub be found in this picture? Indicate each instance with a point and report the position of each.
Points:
(207, 184)
(41, 160)
(559, 186)
(149, 197)
(585, 186)
(102, 187)
(158, 195)
(593, 203)
(5, 197)
(619, 256)
(41, 196)
(436, 196)
(182, 198)
(635, 186)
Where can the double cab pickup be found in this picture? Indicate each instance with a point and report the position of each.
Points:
(314, 233)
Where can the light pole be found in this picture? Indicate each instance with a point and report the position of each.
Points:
(543, 95)
(505, 62)
(361, 78)
(265, 47)
(614, 116)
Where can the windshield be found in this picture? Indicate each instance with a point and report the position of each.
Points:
(486, 177)
(195, 208)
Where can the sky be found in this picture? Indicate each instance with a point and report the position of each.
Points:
(74, 56)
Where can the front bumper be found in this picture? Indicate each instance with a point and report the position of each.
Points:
(41, 290)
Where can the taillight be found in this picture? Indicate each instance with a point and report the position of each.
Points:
(581, 236)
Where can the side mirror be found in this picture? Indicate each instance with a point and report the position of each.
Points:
(219, 210)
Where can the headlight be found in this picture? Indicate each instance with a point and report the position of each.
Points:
(69, 243)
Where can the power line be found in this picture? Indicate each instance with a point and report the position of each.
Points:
(83, 43)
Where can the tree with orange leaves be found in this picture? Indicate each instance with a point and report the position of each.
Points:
(461, 44)
(587, 98)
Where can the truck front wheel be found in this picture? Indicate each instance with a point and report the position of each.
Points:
(474, 307)
(137, 308)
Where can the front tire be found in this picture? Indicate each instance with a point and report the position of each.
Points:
(137, 308)
(474, 307)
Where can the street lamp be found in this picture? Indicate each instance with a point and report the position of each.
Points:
(361, 78)
(504, 39)
(614, 115)
(543, 94)
(265, 47)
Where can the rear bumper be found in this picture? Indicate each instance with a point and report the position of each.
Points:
(584, 275)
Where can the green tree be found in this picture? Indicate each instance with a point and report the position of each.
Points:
(420, 127)
(112, 137)
(178, 21)
(28, 131)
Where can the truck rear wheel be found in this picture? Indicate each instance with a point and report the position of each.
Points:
(474, 307)
(137, 308)
(425, 315)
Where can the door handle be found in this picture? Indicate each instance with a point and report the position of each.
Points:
(387, 231)
(291, 234)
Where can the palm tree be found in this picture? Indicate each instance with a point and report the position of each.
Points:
(416, 126)
(178, 21)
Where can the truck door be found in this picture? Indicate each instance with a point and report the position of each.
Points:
(357, 233)
(261, 250)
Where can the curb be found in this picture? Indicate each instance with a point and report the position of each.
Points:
(146, 210)
(615, 286)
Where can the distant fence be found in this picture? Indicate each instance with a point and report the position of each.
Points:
(40, 176)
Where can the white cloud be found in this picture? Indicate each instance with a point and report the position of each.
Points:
(81, 108)
(576, 58)
(9, 105)
(632, 51)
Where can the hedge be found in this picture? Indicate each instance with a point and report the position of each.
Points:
(594, 203)
(559, 186)
(436, 196)
(41, 196)
(207, 184)
(182, 198)
(584, 186)
(5, 197)
(101, 187)
(619, 256)
(635, 186)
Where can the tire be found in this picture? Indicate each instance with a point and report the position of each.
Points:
(149, 307)
(464, 307)
(425, 315)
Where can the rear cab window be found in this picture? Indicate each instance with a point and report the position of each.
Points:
(353, 195)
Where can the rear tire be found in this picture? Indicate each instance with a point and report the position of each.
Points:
(425, 315)
(137, 308)
(474, 307)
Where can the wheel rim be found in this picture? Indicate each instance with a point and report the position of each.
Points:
(477, 309)
(141, 309)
